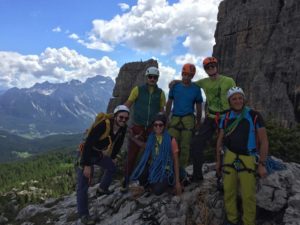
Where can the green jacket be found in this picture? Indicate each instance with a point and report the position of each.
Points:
(146, 106)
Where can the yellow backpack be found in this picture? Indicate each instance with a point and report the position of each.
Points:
(99, 118)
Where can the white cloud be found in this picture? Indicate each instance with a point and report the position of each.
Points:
(155, 25)
(124, 6)
(54, 65)
(197, 60)
(166, 75)
(74, 36)
(56, 29)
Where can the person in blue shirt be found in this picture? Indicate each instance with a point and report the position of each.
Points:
(184, 96)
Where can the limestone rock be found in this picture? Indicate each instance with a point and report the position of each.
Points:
(278, 201)
(130, 75)
(258, 44)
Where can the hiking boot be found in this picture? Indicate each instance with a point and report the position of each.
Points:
(87, 220)
(100, 192)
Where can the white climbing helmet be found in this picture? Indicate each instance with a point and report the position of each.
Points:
(234, 90)
(152, 71)
(121, 108)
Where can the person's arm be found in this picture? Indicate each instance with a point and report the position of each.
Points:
(198, 115)
(90, 141)
(263, 151)
(162, 101)
(218, 152)
(118, 143)
(176, 166)
(132, 97)
(128, 103)
(168, 107)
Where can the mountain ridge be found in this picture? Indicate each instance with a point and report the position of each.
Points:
(47, 108)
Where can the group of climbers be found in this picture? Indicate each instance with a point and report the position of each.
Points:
(169, 137)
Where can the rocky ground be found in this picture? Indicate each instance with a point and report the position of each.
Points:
(278, 202)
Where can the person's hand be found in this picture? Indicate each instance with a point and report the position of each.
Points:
(178, 188)
(87, 171)
(262, 171)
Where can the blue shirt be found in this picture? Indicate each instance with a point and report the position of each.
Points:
(184, 98)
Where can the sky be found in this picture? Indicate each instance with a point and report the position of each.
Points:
(61, 40)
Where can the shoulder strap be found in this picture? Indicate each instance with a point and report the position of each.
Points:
(254, 120)
(107, 130)
(226, 119)
(235, 123)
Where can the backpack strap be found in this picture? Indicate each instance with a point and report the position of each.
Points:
(226, 119)
(107, 130)
(254, 120)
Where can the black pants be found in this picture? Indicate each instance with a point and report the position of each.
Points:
(198, 144)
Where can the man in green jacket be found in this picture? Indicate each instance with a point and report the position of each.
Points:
(147, 100)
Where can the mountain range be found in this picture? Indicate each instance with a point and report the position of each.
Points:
(48, 108)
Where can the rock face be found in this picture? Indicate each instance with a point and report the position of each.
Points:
(130, 75)
(258, 44)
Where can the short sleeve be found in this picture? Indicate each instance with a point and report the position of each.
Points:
(133, 94)
(171, 93)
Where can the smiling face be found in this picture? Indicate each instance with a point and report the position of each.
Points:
(237, 102)
(211, 69)
(121, 118)
(158, 127)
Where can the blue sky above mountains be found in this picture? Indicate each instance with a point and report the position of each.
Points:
(60, 40)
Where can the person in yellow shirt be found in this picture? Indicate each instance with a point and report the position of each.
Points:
(146, 101)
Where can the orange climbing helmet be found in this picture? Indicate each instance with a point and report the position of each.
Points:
(189, 68)
(209, 60)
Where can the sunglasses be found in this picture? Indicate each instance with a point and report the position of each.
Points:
(158, 124)
(152, 77)
(210, 66)
(125, 118)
